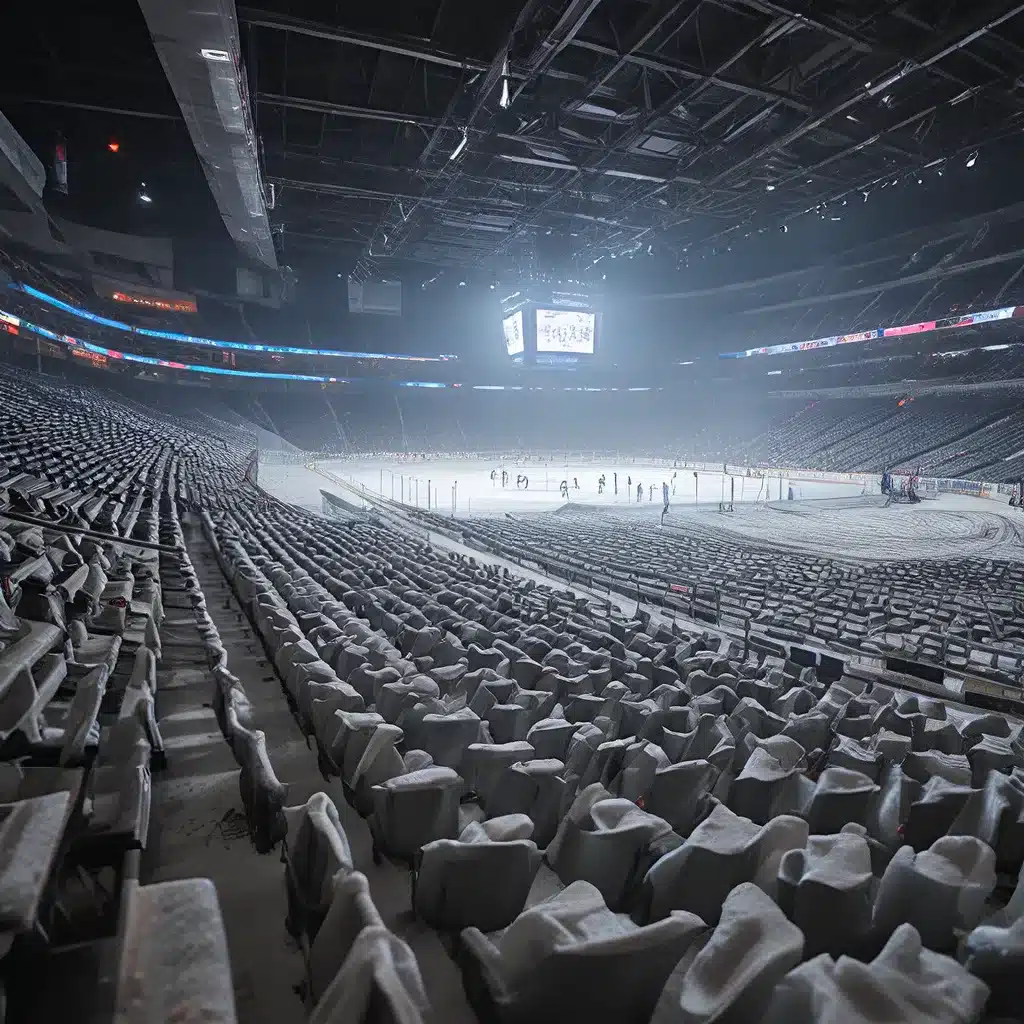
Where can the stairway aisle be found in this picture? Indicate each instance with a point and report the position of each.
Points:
(198, 827)
(200, 830)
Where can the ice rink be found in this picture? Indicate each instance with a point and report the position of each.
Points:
(467, 488)
(830, 518)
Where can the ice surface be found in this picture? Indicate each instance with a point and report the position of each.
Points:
(475, 493)
(832, 518)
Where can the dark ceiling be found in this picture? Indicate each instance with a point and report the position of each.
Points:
(678, 128)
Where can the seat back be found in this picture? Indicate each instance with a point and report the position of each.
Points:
(455, 883)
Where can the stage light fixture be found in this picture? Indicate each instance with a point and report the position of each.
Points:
(972, 159)
(769, 188)
(113, 145)
(463, 142)
(144, 196)
(505, 100)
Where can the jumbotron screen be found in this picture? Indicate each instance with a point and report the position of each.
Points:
(566, 330)
(513, 327)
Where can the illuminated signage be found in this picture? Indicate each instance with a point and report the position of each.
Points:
(902, 330)
(212, 343)
(154, 302)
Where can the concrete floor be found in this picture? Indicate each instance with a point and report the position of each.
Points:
(199, 830)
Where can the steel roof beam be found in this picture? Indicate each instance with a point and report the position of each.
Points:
(950, 43)
(347, 110)
(671, 66)
(415, 49)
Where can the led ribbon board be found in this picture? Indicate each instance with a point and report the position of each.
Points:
(969, 320)
(189, 339)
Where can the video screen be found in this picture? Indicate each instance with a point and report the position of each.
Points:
(513, 327)
(568, 331)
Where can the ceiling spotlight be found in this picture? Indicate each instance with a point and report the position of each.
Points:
(463, 142)
(505, 101)
(218, 56)
(769, 188)
(920, 181)
(113, 145)
(785, 229)
(144, 196)
(492, 286)
(972, 159)
(462, 284)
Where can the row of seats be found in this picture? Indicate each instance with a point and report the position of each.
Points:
(917, 608)
(89, 546)
(692, 809)
(680, 832)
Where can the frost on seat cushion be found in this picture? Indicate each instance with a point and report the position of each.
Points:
(904, 982)
(30, 831)
(601, 840)
(417, 808)
(379, 981)
(175, 962)
(316, 851)
(938, 891)
(456, 881)
(732, 977)
(570, 958)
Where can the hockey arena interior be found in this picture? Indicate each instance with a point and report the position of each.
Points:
(512, 512)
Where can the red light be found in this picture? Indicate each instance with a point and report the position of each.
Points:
(113, 146)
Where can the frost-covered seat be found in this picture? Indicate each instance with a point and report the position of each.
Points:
(681, 794)
(414, 809)
(732, 977)
(603, 840)
(174, 964)
(771, 783)
(69, 732)
(570, 958)
(550, 737)
(120, 785)
(938, 890)
(480, 880)
(709, 740)
(535, 788)
(839, 797)
(358, 970)
(317, 703)
(484, 763)
(905, 981)
(263, 795)
(446, 737)
(315, 851)
(722, 852)
(995, 815)
(825, 890)
(362, 751)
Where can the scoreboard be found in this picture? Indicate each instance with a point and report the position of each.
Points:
(547, 327)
